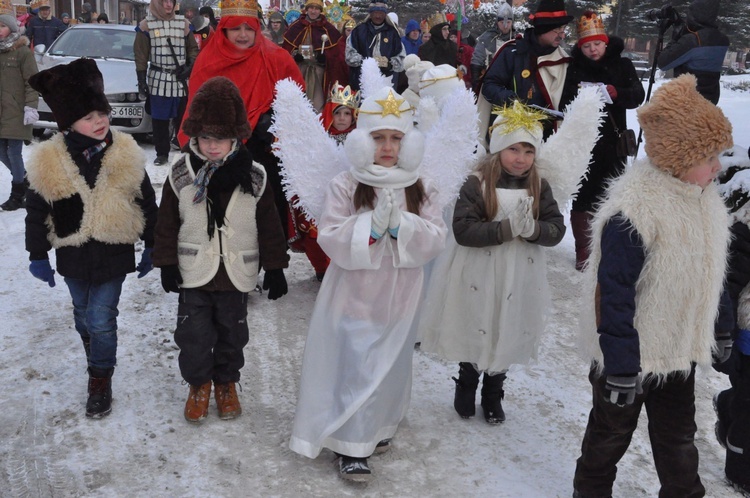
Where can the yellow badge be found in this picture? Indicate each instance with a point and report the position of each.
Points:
(156, 32)
(525, 73)
(385, 40)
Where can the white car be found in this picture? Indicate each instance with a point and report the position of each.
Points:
(111, 46)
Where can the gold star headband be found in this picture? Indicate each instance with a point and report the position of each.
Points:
(390, 105)
(517, 116)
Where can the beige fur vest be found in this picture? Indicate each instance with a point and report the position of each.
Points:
(685, 236)
(110, 212)
(235, 243)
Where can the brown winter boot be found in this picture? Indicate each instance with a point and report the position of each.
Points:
(196, 407)
(227, 401)
(580, 223)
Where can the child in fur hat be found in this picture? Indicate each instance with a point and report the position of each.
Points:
(90, 199)
(217, 225)
(653, 288)
(380, 225)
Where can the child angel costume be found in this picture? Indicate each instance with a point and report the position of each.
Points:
(487, 305)
(355, 384)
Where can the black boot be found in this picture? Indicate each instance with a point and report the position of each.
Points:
(99, 403)
(466, 390)
(492, 396)
(722, 402)
(17, 199)
(580, 223)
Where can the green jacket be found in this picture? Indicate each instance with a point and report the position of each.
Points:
(17, 65)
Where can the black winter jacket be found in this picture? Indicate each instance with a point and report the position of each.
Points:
(611, 69)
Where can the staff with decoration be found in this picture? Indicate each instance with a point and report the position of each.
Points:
(307, 39)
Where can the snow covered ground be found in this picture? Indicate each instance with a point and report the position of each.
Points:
(145, 448)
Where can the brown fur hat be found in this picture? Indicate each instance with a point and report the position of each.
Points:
(72, 90)
(217, 111)
(681, 128)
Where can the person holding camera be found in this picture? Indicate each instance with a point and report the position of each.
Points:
(307, 39)
(697, 46)
(597, 59)
(164, 39)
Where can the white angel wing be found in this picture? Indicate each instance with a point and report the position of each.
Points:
(309, 157)
(564, 158)
(371, 79)
(450, 145)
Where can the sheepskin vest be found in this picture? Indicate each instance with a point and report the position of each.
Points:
(685, 234)
(235, 244)
(110, 212)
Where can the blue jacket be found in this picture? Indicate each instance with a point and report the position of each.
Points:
(412, 46)
(44, 32)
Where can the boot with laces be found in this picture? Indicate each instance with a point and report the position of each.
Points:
(99, 402)
(227, 401)
(196, 407)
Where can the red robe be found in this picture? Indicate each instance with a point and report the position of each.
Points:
(255, 70)
(302, 29)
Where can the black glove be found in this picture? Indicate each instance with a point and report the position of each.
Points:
(298, 58)
(320, 58)
(261, 128)
(389, 67)
(274, 282)
(620, 390)
(476, 76)
(171, 278)
(142, 86)
(183, 72)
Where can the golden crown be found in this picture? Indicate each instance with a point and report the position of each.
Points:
(21, 9)
(7, 8)
(435, 19)
(590, 26)
(37, 4)
(336, 11)
(240, 8)
(344, 95)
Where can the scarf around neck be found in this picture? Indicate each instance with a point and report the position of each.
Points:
(378, 176)
(7, 44)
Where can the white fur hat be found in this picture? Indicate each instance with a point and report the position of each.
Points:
(385, 110)
(439, 81)
(414, 68)
(515, 124)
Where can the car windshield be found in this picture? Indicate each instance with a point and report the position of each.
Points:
(95, 43)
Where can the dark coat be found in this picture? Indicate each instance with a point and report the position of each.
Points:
(472, 229)
(437, 49)
(93, 261)
(698, 47)
(44, 31)
(18, 65)
(362, 38)
(611, 69)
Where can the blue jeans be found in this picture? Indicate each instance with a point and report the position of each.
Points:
(95, 314)
(10, 155)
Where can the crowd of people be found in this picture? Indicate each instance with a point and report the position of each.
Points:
(399, 261)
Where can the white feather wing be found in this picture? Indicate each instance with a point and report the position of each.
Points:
(565, 156)
(371, 79)
(450, 145)
(309, 157)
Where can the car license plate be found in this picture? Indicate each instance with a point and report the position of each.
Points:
(127, 112)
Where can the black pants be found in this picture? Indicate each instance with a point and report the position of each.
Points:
(670, 406)
(738, 435)
(161, 136)
(261, 152)
(211, 333)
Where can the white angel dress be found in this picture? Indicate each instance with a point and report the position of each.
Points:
(460, 319)
(355, 384)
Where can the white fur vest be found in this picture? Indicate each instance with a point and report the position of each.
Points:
(685, 236)
(110, 212)
(235, 243)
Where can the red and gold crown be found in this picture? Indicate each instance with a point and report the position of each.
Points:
(344, 95)
(240, 8)
(37, 4)
(435, 19)
(590, 27)
(6, 8)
